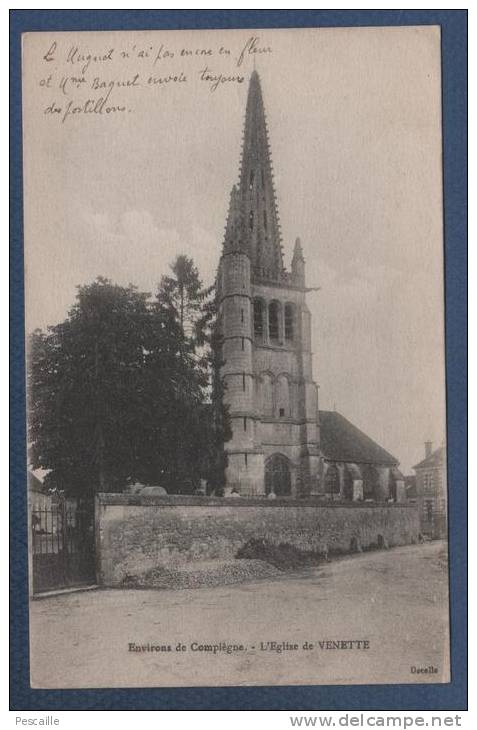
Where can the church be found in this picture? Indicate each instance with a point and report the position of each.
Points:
(282, 444)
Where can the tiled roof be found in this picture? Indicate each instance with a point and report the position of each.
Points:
(436, 459)
(341, 441)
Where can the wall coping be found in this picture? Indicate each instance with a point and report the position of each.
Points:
(181, 500)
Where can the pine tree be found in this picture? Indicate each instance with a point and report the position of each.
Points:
(185, 307)
(217, 426)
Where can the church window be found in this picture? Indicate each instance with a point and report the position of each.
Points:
(250, 220)
(244, 424)
(289, 322)
(243, 343)
(252, 175)
(273, 321)
(246, 459)
(241, 315)
(282, 412)
(265, 219)
(243, 381)
(258, 319)
(332, 481)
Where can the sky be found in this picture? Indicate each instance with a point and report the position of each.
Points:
(355, 131)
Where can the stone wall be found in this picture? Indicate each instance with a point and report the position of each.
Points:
(135, 534)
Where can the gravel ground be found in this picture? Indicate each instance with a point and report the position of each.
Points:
(394, 599)
(204, 573)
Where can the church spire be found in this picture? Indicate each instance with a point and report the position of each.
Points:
(233, 240)
(298, 265)
(261, 228)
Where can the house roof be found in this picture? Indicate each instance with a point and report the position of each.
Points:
(341, 441)
(436, 459)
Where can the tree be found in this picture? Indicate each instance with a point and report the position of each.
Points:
(189, 311)
(86, 390)
(183, 297)
(217, 428)
(128, 389)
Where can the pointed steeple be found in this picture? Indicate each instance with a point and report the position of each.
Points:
(297, 252)
(234, 240)
(298, 264)
(261, 226)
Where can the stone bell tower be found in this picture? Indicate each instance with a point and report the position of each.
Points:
(266, 328)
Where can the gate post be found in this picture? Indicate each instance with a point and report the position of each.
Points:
(30, 544)
(64, 538)
(97, 539)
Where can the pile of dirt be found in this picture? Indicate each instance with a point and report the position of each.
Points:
(200, 574)
(283, 556)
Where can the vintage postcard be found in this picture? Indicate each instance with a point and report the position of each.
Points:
(235, 357)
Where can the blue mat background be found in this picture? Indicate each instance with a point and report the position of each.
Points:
(382, 697)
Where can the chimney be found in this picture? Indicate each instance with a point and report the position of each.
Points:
(428, 448)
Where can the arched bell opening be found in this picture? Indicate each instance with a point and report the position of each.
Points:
(274, 329)
(258, 320)
(289, 323)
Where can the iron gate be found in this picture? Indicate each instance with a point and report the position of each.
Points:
(62, 546)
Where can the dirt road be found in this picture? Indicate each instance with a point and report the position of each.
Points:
(391, 605)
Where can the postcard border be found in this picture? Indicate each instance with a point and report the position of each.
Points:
(362, 697)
